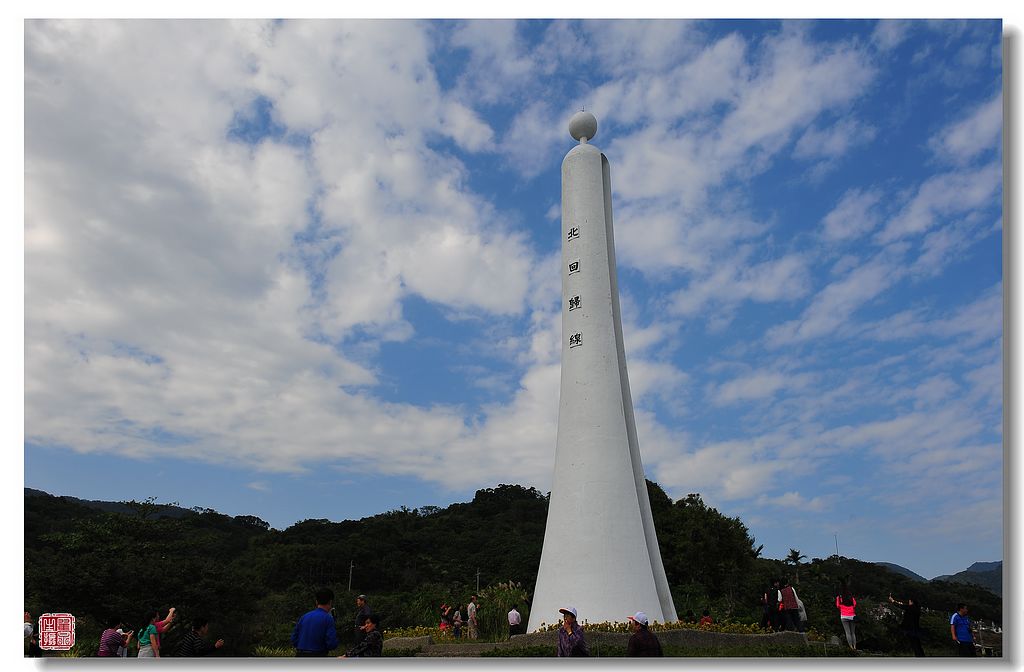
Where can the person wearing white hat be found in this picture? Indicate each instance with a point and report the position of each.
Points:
(642, 643)
(570, 635)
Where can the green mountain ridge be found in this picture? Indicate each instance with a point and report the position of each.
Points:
(990, 579)
(980, 573)
(893, 567)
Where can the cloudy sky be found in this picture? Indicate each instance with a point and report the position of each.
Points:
(310, 269)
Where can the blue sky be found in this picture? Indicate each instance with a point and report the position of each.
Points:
(309, 269)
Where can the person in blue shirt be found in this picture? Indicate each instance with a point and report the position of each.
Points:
(960, 628)
(315, 633)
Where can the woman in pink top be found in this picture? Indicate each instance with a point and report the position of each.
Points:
(846, 604)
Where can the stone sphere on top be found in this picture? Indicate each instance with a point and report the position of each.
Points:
(583, 125)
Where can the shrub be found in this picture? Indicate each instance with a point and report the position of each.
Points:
(417, 631)
(623, 626)
(538, 651)
(273, 652)
(495, 603)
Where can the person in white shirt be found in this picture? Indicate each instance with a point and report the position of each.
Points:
(474, 631)
(514, 619)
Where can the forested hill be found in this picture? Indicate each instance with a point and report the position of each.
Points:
(253, 581)
(988, 575)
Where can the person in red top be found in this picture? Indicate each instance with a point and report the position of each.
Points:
(847, 605)
(789, 607)
(705, 618)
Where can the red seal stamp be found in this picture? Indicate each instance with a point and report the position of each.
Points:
(56, 632)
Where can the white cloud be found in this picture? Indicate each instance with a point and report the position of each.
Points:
(833, 306)
(977, 322)
(793, 500)
(734, 121)
(948, 244)
(795, 83)
(736, 280)
(627, 46)
(853, 216)
(941, 196)
(834, 141)
(934, 390)
(757, 385)
(532, 142)
(986, 384)
(909, 433)
(499, 61)
(978, 132)
(171, 308)
(465, 126)
(729, 468)
(659, 239)
(663, 96)
(767, 100)
(980, 321)
(890, 33)
(398, 209)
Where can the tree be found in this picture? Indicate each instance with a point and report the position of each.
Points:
(254, 521)
(147, 508)
(707, 555)
(794, 559)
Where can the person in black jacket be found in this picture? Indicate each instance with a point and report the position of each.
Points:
(911, 625)
(194, 642)
(373, 642)
(642, 643)
(770, 600)
(362, 612)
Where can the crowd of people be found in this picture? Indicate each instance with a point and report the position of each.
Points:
(316, 632)
(453, 621)
(782, 607)
(784, 610)
(118, 639)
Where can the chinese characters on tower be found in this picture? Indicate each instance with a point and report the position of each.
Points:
(575, 339)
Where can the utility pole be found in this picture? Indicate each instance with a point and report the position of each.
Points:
(351, 564)
(478, 579)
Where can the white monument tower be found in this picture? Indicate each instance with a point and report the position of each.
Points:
(600, 551)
